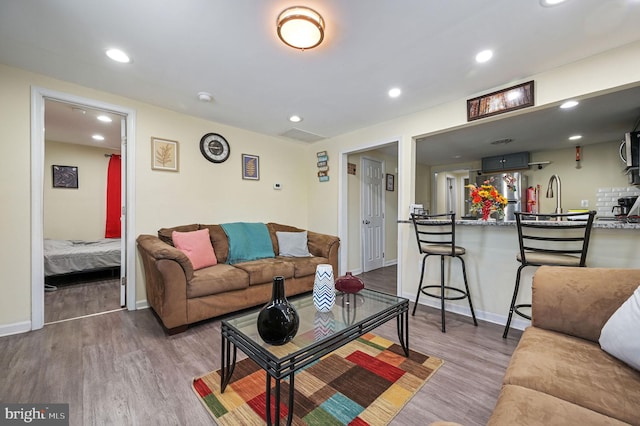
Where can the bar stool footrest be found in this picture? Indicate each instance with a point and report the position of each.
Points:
(463, 293)
(522, 314)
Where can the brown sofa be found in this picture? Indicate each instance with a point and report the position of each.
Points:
(181, 296)
(558, 374)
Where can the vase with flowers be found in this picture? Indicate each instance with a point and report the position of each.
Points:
(485, 199)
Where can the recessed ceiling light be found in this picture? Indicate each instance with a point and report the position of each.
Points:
(104, 118)
(484, 56)
(550, 3)
(575, 137)
(118, 56)
(569, 104)
(395, 92)
(98, 137)
(295, 119)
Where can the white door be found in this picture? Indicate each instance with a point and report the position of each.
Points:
(123, 213)
(372, 214)
(451, 194)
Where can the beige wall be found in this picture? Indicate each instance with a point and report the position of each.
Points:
(76, 214)
(201, 192)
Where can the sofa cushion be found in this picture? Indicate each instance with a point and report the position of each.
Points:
(620, 336)
(248, 241)
(276, 227)
(304, 266)
(197, 246)
(165, 234)
(262, 271)
(216, 279)
(219, 241)
(521, 406)
(292, 244)
(577, 371)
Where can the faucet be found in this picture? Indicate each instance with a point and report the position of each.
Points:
(550, 192)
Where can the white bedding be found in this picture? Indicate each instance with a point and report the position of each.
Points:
(66, 256)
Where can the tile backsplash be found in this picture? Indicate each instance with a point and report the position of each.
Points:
(606, 198)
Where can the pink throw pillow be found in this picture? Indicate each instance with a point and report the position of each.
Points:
(197, 246)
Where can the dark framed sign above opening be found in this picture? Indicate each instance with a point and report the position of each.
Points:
(505, 100)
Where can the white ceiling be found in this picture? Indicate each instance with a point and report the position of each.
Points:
(230, 49)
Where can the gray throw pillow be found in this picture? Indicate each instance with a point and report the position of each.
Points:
(293, 244)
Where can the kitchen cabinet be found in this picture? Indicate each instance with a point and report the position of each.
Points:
(499, 163)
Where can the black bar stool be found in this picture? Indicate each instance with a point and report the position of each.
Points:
(436, 236)
(558, 240)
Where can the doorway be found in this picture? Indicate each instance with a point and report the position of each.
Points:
(82, 208)
(126, 280)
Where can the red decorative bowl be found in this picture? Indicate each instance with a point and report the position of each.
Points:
(349, 284)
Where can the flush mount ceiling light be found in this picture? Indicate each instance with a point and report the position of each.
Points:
(300, 27)
(295, 119)
(97, 137)
(104, 118)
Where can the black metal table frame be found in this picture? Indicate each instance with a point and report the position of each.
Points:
(279, 369)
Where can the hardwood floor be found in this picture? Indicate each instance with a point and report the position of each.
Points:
(121, 368)
(86, 296)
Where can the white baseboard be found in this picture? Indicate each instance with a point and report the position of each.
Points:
(390, 262)
(142, 304)
(15, 328)
(516, 322)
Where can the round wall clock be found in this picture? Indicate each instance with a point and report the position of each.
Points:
(214, 147)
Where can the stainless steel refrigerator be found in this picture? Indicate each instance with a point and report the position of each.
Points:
(513, 186)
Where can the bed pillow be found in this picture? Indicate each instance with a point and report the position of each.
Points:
(620, 336)
(293, 244)
(197, 246)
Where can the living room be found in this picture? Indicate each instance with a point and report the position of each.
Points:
(202, 192)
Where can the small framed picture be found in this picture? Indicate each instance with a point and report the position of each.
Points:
(164, 155)
(250, 167)
(390, 182)
(65, 176)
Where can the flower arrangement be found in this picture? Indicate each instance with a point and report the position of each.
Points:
(486, 199)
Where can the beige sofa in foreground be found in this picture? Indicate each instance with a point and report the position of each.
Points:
(558, 374)
(180, 295)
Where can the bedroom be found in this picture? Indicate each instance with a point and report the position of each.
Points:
(82, 265)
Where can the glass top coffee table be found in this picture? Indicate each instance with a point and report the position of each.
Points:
(319, 333)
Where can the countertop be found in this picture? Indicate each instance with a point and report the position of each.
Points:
(597, 224)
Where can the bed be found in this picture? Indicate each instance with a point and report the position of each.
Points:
(63, 257)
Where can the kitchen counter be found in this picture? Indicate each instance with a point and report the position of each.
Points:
(597, 224)
(490, 258)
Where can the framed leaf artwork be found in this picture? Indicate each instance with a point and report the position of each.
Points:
(250, 167)
(164, 155)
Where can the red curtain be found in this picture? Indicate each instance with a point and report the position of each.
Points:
(114, 200)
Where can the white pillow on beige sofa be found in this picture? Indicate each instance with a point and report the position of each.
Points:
(620, 336)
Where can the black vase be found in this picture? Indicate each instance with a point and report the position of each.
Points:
(278, 321)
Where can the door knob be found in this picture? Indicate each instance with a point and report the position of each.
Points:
(366, 222)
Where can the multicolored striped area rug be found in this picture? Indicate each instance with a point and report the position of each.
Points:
(366, 382)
